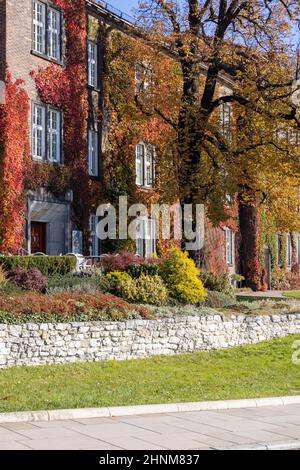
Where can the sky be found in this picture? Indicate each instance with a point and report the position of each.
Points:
(124, 5)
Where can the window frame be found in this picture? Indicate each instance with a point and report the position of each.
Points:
(97, 80)
(46, 134)
(143, 76)
(229, 246)
(226, 128)
(97, 156)
(45, 54)
(141, 178)
(279, 249)
(146, 245)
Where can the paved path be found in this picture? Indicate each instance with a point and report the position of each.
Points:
(270, 294)
(178, 431)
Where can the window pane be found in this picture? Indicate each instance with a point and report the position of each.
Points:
(139, 164)
(229, 246)
(226, 121)
(39, 27)
(93, 153)
(54, 34)
(54, 135)
(92, 64)
(38, 132)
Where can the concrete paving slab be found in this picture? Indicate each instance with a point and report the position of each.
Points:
(251, 428)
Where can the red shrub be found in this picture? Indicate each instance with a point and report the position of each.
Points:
(120, 262)
(28, 279)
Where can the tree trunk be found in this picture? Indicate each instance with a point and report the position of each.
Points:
(249, 228)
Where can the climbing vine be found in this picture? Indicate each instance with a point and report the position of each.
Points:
(14, 159)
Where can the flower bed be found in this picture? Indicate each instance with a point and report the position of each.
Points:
(77, 306)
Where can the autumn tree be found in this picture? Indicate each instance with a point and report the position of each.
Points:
(236, 53)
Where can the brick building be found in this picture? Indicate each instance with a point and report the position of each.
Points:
(37, 35)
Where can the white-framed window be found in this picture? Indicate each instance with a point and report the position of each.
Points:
(39, 132)
(226, 120)
(92, 64)
(298, 248)
(289, 250)
(143, 78)
(53, 34)
(46, 30)
(46, 133)
(229, 246)
(93, 154)
(145, 165)
(54, 135)
(146, 237)
(94, 246)
(39, 27)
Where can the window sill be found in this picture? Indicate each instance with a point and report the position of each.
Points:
(95, 89)
(48, 162)
(145, 188)
(95, 178)
(45, 57)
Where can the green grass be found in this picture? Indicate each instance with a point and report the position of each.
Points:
(260, 370)
(295, 294)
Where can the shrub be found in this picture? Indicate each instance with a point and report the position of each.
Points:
(217, 299)
(136, 270)
(28, 279)
(144, 290)
(119, 262)
(182, 278)
(72, 283)
(48, 265)
(3, 278)
(216, 282)
(280, 280)
(112, 282)
(67, 307)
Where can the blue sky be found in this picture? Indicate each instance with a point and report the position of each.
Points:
(124, 5)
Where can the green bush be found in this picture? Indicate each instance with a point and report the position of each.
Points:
(216, 282)
(181, 277)
(112, 282)
(144, 290)
(217, 299)
(136, 270)
(48, 265)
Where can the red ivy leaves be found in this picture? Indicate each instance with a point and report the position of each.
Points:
(14, 153)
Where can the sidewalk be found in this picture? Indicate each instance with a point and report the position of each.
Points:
(277, 426)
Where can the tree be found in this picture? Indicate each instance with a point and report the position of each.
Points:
(240, 51)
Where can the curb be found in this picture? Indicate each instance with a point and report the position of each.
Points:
(289, 445)
(110, 412)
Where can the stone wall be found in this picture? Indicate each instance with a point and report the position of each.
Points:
(35, 344)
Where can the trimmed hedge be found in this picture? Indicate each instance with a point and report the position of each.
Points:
(48, 265)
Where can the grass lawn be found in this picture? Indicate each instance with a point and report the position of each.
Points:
(245, 372)
(295, 294)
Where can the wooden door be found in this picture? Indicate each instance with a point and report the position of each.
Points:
(38, 237)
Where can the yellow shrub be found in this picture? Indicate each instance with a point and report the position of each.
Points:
(145, 290)
(181, 276)
(112, 282)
